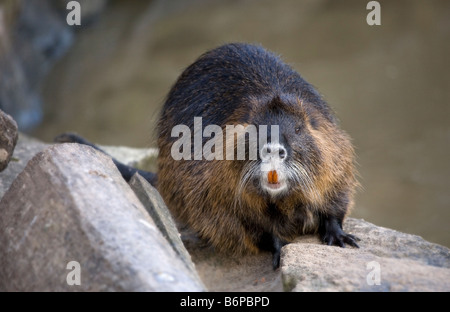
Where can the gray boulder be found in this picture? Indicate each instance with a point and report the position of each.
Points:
(388, 260)
(71, 204)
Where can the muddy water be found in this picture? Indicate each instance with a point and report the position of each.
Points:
(389, 85)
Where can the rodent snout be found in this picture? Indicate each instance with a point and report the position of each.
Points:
(271, 151)
(273, 176)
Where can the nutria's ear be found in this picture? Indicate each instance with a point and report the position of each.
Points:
(277, 104)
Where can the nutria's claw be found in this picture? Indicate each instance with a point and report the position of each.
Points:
(351, 240)
(340, 238)
(276, 260)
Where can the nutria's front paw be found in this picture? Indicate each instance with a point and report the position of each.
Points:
(336, 236)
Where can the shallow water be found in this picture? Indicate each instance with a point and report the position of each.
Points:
(388, 84)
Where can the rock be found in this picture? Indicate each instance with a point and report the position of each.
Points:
(155, 206)
(405, 263)
(8, 139)
(26, 148)
(71, 204)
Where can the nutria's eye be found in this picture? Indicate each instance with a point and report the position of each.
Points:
(298, 130)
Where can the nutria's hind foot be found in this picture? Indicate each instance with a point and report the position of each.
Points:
(126, 171)
(70, 137)
(331, 234)
(67, 137)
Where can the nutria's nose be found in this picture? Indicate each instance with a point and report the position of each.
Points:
(271, 150)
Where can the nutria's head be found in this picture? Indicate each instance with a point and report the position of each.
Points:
(308, 155)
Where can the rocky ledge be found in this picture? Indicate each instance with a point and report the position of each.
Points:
(68, 221)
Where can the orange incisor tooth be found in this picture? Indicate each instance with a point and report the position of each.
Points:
(272, 177)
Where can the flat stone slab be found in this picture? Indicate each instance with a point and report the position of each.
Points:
(388, 260)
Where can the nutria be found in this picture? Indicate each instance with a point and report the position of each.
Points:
(242, 206)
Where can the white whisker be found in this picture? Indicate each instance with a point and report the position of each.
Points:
(300, 175)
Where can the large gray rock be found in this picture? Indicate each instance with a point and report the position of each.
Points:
(8, 138)
(402, 262)
(71, 204)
